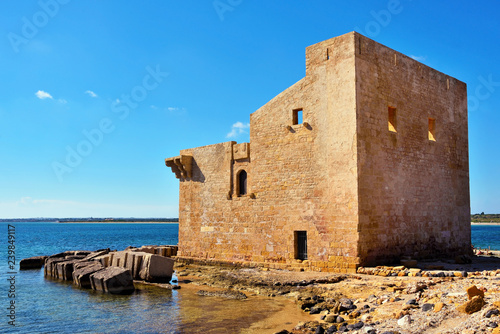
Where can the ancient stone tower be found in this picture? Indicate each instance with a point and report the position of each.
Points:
(361, 162)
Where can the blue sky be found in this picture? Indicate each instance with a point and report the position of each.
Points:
(96, 94)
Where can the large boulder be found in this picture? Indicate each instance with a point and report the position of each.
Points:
(113, 280)
(155, 268)
(35, 262)
(82, 272)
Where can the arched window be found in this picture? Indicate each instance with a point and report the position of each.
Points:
(242, 183)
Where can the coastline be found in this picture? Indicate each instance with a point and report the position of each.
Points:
(115, 222)
(484, 223)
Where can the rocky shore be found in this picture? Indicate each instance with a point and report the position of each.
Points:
(434, 297)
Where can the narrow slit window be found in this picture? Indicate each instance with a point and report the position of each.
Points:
(297, 116)
(392, 119)
(432, 129)
(242, 183)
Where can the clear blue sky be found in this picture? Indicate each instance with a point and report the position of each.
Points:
(96, 94)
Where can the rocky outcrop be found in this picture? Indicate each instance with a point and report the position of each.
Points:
(35, 262)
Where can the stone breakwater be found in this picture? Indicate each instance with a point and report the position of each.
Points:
(109, 271)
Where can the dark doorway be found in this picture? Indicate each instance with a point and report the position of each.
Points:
(242, 183)
(301, 245)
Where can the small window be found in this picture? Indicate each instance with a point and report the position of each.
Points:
(242, 183)
(300, 245)
(392, 119)
(432, 129)
(297, 116)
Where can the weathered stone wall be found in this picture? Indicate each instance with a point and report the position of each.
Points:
(303, 176)
(413, 191)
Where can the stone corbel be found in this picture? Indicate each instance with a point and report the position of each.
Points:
(182, 166)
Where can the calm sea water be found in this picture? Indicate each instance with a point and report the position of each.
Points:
(46, 306)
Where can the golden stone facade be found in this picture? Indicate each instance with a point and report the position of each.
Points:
(363, 161)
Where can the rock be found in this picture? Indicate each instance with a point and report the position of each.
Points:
(65, 269)
(405, 321)
(342, 329)
(411, 302)
(358, 325)
(155, 268)
(283, 332)
(331, 318)
(472, 306)
(346, 304)
(438, 307)
(369, 330)
(332, 329)
(427, 307)
(415, 287)
(490, 312)
(339, 319)
(35, 262)
(474, 291)
(113, 280)
(81, 275)
(319, 330)
(229, 294)
(492, 324)
(315, 310)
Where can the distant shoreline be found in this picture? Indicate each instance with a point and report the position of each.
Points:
(115, 222)
(485, 223)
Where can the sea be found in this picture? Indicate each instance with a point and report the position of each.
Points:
(30, 303)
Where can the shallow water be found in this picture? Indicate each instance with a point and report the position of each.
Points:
(49, 306)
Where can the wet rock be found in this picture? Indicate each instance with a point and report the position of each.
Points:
(427, 307)
(229, 294)
(35, 262)
(472, 306)
(113, 280)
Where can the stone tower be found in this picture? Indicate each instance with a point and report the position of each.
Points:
(361, 162)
